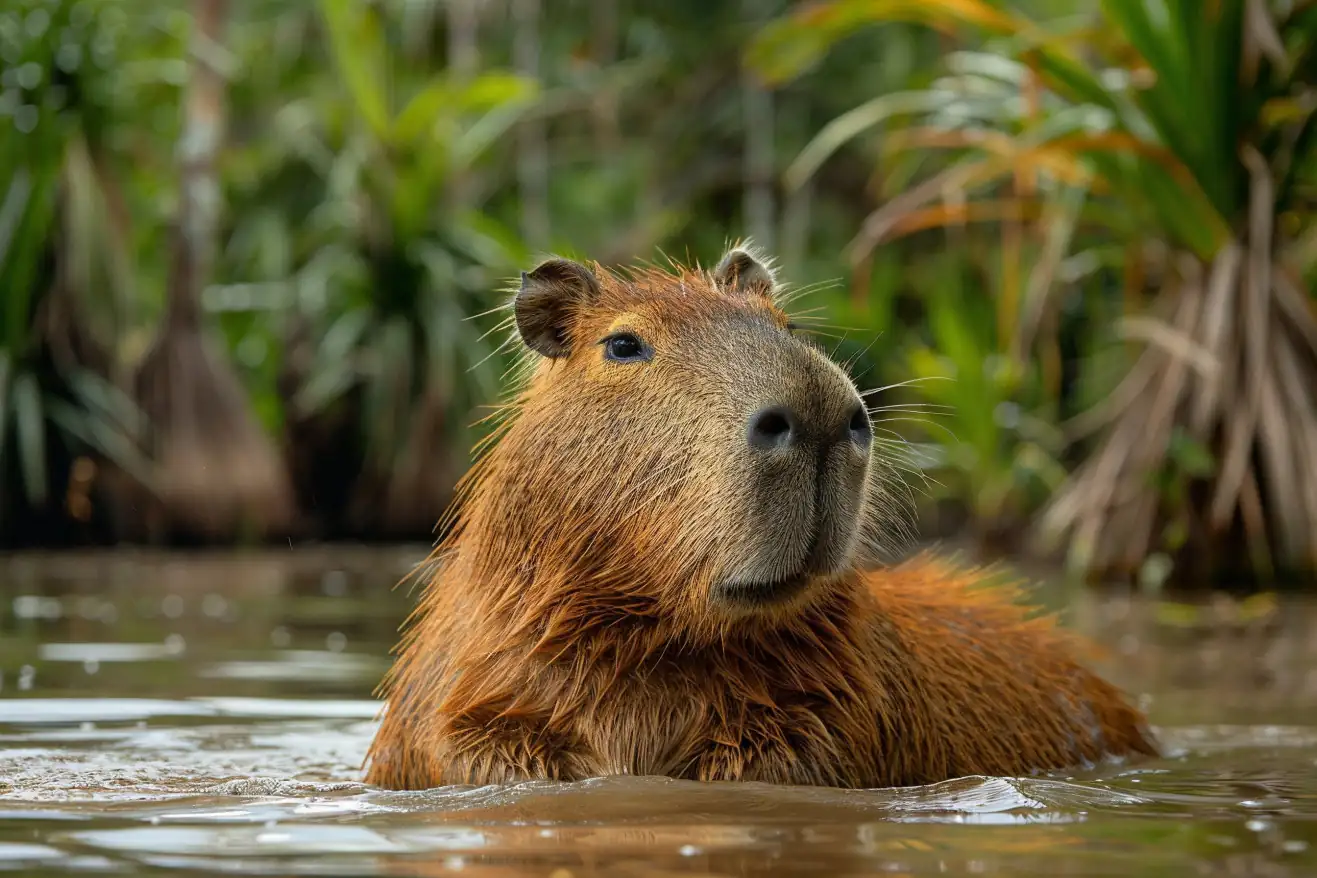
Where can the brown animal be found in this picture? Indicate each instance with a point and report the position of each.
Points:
(662, 566)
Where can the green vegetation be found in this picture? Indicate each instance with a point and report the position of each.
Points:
(1071, 237)
(1166, 144)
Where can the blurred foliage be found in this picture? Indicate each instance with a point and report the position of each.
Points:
(64, 257)
(994, 204)
(362, 246)
(1165, 144)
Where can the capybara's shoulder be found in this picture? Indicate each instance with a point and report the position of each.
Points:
(1001, 686)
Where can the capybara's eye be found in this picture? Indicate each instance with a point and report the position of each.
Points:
(625, 348)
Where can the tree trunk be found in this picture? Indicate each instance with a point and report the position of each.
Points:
(759, 175)
(198, 151)
(217, 475)
(532, 148)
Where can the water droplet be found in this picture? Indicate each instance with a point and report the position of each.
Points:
(27, 675)
(29, 75)
(102, 49)
(214, 605)
(25, 119)
(87, 726)
(172, 606)
(336, 641)
(1294, 846)
(69, 57)
(81, 14)
(175, 644)
(1007, 415)
(689, 850)
(280, 638)
(37, 22)
(29, 606)
(252, 351)
(334, 583)
(91, 666)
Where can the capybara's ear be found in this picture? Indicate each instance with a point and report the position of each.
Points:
(740, 271)
(548, 299)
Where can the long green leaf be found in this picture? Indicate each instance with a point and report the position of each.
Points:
(485, 132)
(853, 123)
(788, 47)
(30, 431)
(20, 263)
(6, 373)
(359, 52)
(102, 437)
(1193, 51)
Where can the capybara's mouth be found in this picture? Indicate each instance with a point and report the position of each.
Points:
(767, 592)
(762, 593)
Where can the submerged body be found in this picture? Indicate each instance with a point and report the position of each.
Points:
(664, 566)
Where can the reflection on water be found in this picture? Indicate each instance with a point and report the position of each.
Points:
(208, 715)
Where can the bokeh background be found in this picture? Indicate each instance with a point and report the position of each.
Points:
(251, 253)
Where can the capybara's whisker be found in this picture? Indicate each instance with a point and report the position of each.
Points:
(906, 383)
(912, 407)
(923, 421)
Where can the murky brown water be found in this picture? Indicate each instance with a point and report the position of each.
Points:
(208, 715)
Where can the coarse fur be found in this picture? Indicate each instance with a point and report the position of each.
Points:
(664, 563)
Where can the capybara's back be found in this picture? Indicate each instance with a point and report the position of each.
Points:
(666, 563)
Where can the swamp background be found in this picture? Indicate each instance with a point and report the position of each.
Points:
(250, 257)
(249, 251)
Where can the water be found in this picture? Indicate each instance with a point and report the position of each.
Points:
(198, 715)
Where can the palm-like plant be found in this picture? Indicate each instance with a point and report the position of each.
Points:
(389, 269)
(64, 258)
(1180, 151)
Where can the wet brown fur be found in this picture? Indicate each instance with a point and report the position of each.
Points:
(567, 631)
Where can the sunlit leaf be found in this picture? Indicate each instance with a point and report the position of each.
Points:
(485, 132)
(420, 113)
(853, 123)
(972, 212)
(495, 88)
(789, 46)
(359, 52)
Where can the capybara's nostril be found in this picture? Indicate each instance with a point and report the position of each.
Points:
(773, 427)
(861, 430)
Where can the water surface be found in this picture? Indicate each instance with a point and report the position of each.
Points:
(198, 714)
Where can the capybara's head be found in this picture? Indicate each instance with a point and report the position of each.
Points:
(680, 447)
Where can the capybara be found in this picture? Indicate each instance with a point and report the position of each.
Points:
(664, 563)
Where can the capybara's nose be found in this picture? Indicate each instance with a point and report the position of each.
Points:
(775, 426)
(858, 428)
(779, 426)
